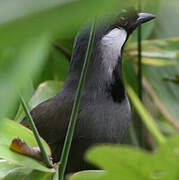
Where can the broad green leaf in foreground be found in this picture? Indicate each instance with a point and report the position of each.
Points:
(12, 130)
(124, 162)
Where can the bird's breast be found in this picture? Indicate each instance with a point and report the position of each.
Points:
(103, 122)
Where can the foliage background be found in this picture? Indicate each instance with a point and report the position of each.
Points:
(33, 36)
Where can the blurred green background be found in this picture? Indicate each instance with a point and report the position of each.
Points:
(36, 40)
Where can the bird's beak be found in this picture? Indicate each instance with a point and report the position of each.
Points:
(142, 18)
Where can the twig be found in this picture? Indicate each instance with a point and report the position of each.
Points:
(61, 48)
(160, 105)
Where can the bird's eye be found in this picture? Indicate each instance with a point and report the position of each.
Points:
(123, 21)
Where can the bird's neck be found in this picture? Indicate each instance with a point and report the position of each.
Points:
(105, 69)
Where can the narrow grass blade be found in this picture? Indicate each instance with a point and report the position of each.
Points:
(71, 127)
(147, 119)
(36, 134)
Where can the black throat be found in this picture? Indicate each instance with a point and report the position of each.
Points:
(116, 88)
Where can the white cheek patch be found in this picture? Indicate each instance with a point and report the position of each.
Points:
(111, 45)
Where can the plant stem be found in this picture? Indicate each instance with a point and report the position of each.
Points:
(139, 36)
(145, 116)
(140, 88)
(71, 127)
(35, 132)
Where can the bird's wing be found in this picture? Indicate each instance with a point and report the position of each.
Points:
(51, 119)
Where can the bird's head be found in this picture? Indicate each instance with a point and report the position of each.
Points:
(129, 19)
(126, 22)
(110, 38)
(120, 27)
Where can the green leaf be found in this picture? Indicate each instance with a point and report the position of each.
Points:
(5, 167)
(27, 174)
(157, 62)
(165, 90)
(29, 58)
(17, 173)
(39, 175)
(120, 163)
(88, 175)
(52, 17)
(162, 79)
(55, 176)
(35, 133)
(27, 93)
(12, 130)
(45, 91)
(125, 162)
(147, 119)
(160, 49)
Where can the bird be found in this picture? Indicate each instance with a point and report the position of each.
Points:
(104, 114)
